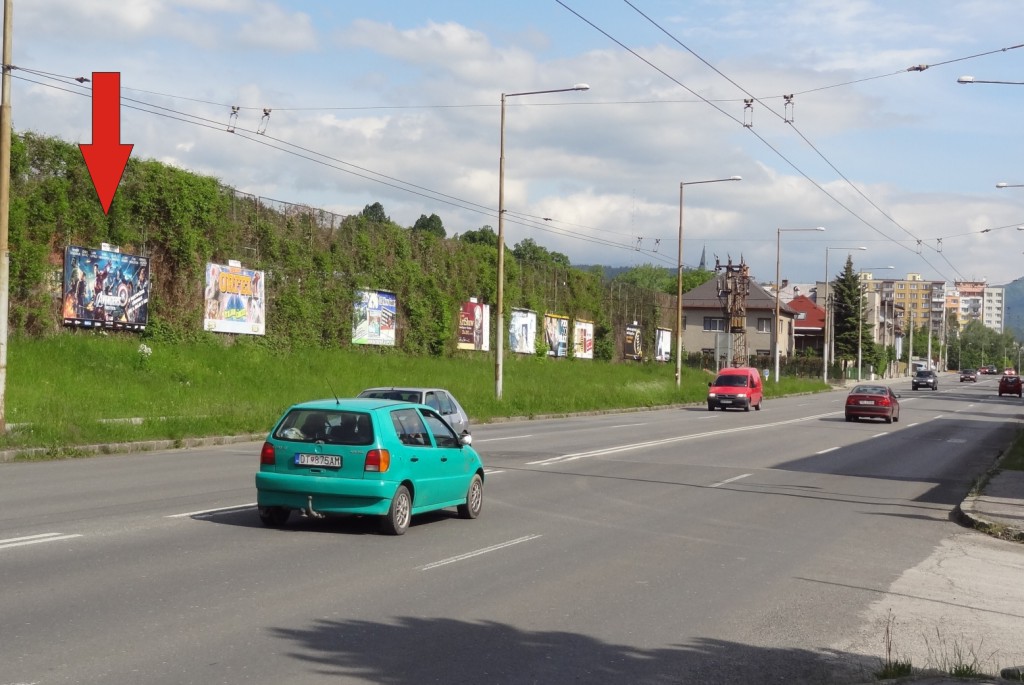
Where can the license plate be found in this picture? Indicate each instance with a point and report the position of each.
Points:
(329, 460)
(725, 401)
(867, 402)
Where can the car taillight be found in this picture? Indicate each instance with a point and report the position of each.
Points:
(377, 460)
(850, 400)
(267, 455)
(884, 402)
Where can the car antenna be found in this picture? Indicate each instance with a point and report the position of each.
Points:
(336, 400)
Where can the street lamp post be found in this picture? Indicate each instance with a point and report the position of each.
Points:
(1010, 185)
(824, 350)
(499, 342)
(679, 276)
(778, 290)
(971, 79)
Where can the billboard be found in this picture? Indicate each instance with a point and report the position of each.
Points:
(474, 327)
(234, 300)
(373, 318)
(633, 347)
(556, 335)
(522, 332)
(583, 339)
(105, 289)
(663, 345)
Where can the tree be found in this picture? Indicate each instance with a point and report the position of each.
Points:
(375, 213)
(848, 308)
(432, 225)
(484, 235)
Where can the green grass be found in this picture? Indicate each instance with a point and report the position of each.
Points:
(62, 391)
(1014, 458)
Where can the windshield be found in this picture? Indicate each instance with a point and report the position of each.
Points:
(731, 381)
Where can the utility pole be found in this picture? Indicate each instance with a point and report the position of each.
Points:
(5, 204)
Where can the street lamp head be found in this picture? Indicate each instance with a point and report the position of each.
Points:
(965, 79)
(581, 86)
(735, 178)
(1001, 184)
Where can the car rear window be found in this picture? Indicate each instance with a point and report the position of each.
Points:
(330, 427)
(397, 395)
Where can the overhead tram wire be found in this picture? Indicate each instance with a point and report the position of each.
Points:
(754, 133)
(781, 117)
(312, 155)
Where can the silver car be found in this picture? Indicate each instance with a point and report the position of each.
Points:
(437, 398)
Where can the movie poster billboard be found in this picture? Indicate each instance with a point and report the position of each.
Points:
(556, 335)
(663, 345)
(633, 347)
(105, 289)
(374, 317)
(522, 332)
(235, 301)
(474, 327)
(583, 339)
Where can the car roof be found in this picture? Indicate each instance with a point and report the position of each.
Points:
(347, 404)
(737, 370)
(402, 388)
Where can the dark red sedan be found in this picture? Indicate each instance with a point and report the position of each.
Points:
(873, 402)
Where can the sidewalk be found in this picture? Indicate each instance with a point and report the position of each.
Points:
(999, 511)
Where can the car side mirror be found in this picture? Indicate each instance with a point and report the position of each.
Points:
(709, 384)
(465, 438)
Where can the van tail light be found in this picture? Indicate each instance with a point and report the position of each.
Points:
(377, 460)
(267, 455)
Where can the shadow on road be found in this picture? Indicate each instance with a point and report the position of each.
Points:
(413, 650)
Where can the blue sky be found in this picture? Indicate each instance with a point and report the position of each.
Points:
(904, 163)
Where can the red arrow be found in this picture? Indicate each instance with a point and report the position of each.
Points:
(105, 156)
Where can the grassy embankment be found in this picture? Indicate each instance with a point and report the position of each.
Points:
(64, 391)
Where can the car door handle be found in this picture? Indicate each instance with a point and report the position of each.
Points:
(414, 458)
(444, 458)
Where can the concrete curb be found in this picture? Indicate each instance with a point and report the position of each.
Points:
(73, 451)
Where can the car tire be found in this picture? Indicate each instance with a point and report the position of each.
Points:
(396, 521)
(888, 419)
(711, 407)
(474, 499)
(757, 407)
(849, 419)
(274, 517)
(747, 408)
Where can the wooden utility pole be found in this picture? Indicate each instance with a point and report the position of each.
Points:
(5, 205)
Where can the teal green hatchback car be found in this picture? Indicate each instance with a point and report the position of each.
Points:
(367, 457)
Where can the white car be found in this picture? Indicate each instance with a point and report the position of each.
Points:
(438, 399)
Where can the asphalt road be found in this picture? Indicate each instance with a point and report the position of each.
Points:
(667, 546)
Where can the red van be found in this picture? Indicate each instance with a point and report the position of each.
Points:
(738, 387)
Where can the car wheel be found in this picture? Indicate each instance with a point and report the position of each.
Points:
(758, 405)
(888, 419)
(474, 499)
(849, 419)
(274, 517)
(396, 521)
(711, 407)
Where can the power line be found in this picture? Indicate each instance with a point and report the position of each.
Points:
(335, 163)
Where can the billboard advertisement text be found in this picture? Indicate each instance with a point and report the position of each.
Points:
(373, 318)
(234, 300)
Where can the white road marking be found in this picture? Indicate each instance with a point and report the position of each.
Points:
(939, 416)
(911, 425)
(956, 440)
(212, 512)
(627, 425)
(491, 471)
(511, 437)
(879, 435)
(667, 441)
(830, 449)
(35, 539)
(731, 480)
(485, 550)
